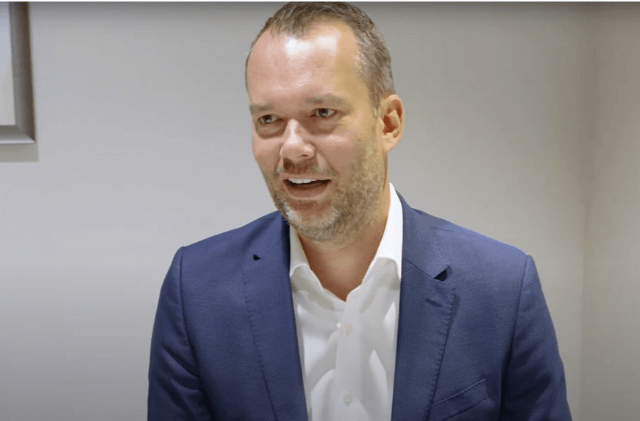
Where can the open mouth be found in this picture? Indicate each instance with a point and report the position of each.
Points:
(305, 188)
(306, 184)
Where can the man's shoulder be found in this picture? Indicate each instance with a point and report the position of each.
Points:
(239, 243)
(465, 248)
(446, 230)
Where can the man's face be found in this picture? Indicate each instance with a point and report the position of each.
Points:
(312, 120)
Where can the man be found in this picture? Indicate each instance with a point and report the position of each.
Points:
(347, 304)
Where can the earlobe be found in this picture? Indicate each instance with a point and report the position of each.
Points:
(392, 120)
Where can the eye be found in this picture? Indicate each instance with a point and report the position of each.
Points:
(267, 119)
(324, 112)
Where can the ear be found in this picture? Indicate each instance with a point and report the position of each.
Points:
(392, 118)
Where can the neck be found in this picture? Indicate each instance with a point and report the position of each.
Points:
(340, 267)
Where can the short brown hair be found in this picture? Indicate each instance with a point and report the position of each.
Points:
(373, 61)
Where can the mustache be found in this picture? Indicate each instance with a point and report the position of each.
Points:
(307, 169)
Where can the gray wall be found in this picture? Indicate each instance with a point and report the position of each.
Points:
(144, 146)
(611, 322)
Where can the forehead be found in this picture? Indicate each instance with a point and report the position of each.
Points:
(324, 58)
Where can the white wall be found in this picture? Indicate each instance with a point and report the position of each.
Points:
(144, 146)
(611, 341)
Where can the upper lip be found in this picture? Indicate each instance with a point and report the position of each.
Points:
(303, 177)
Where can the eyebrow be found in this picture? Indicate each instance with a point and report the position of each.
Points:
(328, 99)
(258, 108)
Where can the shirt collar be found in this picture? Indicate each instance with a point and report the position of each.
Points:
(390, 246)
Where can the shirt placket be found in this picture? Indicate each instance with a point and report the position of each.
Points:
(348, 374)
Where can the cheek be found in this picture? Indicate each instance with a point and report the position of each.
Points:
(265, 153)
(339, 155)
(347, 148)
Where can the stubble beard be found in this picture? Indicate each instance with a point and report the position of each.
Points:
(350, 210)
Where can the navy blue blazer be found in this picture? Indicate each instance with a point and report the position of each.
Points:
(475, 339)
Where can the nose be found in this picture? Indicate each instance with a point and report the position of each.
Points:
(296, 146)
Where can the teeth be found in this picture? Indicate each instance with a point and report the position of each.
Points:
(301, 180)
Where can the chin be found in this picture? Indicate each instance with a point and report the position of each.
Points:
(319, 225)
(310, 215)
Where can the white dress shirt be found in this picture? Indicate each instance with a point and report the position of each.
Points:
(348, 348)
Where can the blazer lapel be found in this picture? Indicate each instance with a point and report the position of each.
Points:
(426, 307)
(270, 306)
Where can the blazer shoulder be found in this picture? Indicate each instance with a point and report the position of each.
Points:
(466, 248)
(237, 244)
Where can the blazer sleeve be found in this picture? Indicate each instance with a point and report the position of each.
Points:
(534, 387)
(175, 388)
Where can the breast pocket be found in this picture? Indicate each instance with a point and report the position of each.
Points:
(459, 403)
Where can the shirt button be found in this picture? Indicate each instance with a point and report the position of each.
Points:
(348, 399)
(348, 329)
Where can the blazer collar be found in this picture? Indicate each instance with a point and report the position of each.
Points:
(426, 308)
(420, 245)
(270, 308)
